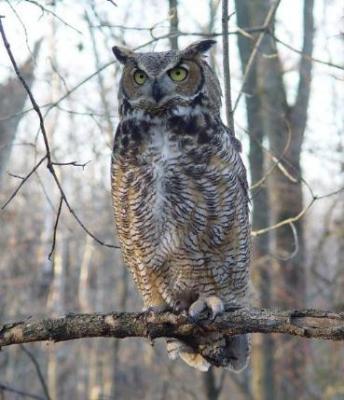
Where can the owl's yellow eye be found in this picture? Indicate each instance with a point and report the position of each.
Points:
(178, 74)
(140, 77)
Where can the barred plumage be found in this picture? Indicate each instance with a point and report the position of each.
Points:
(180, 194)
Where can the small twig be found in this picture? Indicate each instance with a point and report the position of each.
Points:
(229, 16)
(55, 227)
(112, 2)
(268, 20)
(13, 195)
(242, 31)
(19, 392)
(173, 17)
(324, 196)
(15, 176)
(23, 26)
(293, 253)
(43, 9)
(38, 370)
(50, 165)
(317, 60)
(226, 67)
(102, 87)
(283, 169)
(73, 163)
(298, 216)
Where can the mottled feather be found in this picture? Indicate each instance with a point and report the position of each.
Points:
(180, 197)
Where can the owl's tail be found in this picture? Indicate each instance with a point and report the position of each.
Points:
(230, 352)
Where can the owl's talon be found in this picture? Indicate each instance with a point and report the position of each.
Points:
(176, 349)
(213, 303)
(183, 301)
(196, 308)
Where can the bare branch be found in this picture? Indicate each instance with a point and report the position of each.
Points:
(102, 90)
(44, 9)
(268, 20)
(50, 164)
(13, 195)
(304, 323)
(226, 67)
(55, 228)
(18, 392)
(291, 220)
(242, 31)
(72, 163)
(38, 370)
(306, 56)
(173, 17)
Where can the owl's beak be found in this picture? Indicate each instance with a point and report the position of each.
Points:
(157, 92)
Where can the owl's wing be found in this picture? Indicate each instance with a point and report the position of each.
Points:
(241, 172)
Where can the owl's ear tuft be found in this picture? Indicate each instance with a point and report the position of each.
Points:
(122, 54)
(199, 47)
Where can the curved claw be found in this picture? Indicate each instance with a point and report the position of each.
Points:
(216, 306)
(213, 303)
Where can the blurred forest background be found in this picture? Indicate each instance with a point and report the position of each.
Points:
(287, 63)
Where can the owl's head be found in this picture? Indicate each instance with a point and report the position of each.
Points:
(158, 80)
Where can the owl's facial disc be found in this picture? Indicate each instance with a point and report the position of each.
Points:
(156, 80)
(149, 89)
(157, 92)
(164, 87)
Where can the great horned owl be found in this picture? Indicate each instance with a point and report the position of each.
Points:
(180, 195)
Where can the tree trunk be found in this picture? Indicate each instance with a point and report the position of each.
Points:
(212, 389)
(262, 349)
(12, 101)
(173, 15)
(287, 201)
(284, 125)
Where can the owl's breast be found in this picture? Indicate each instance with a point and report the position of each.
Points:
(150, 190)
(177, 184)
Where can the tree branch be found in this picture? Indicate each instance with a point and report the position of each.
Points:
(226, 67)
(50, 164)
(300, 107)
(173, 17)
(18, 392)
(269, 20)
(38, 370)
(305, 323)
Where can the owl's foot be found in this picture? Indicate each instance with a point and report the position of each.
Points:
(213, 303)
(176, 349)
(183, 301)
(195, 360)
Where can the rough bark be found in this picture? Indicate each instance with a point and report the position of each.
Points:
(226, 67)
(284, 126)
(262, 350)
(173, 15)
(12, 101)
(304, 323)
(286, 134)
